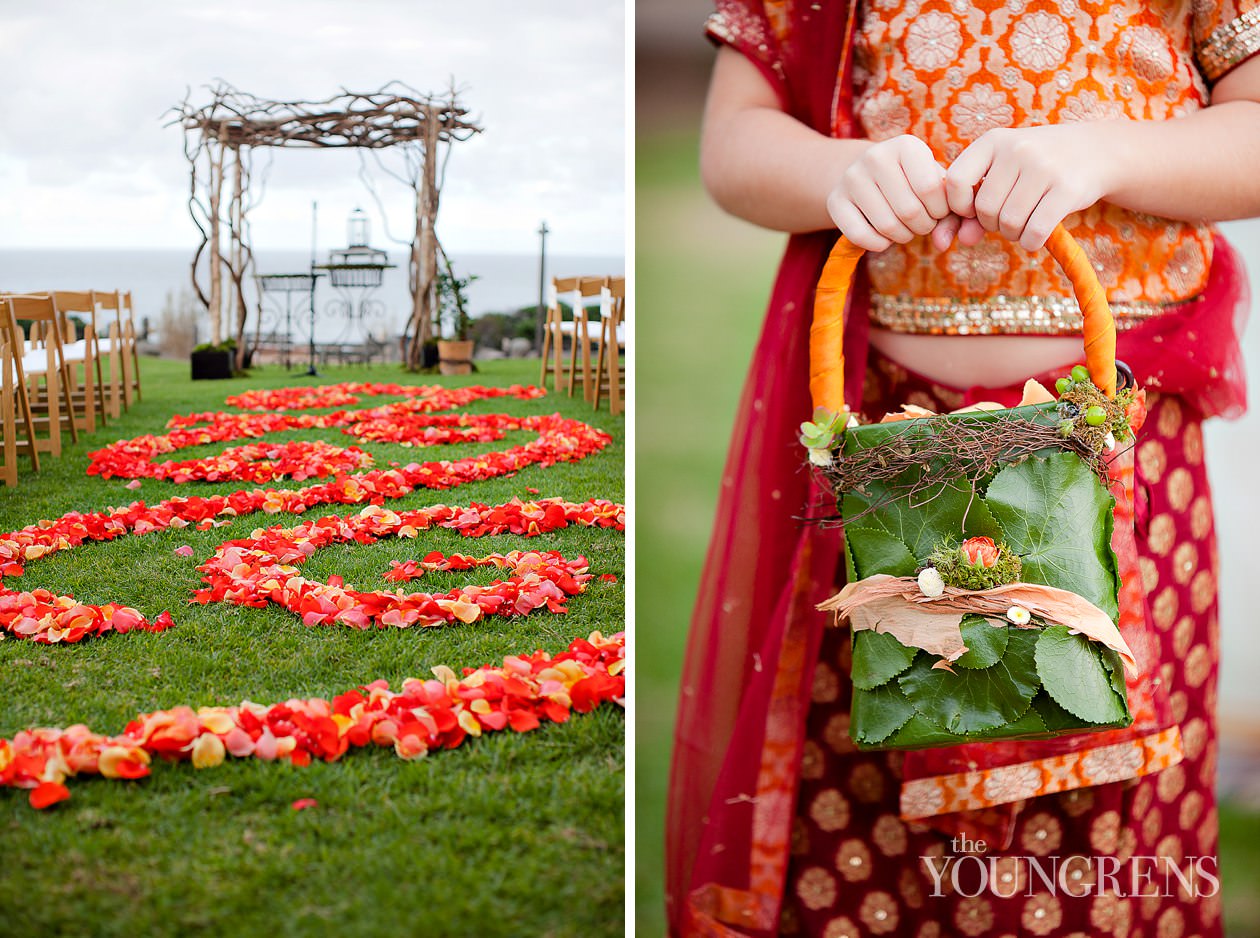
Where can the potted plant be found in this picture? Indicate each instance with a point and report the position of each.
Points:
(455, 352)
(213, 362)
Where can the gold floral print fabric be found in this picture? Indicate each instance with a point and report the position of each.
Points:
(948, 71)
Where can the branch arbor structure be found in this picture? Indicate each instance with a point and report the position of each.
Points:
(221, 136)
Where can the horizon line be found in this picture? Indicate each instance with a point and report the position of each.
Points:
(299, 248)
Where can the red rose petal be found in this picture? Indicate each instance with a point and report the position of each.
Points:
(47, 794)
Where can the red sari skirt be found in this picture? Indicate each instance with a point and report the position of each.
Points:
(1108, 851)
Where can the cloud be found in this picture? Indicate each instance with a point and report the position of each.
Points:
(88, 160)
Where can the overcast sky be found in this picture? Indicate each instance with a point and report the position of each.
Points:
(85, 160)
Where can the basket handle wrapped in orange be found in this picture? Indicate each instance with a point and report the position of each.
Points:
(826, 345)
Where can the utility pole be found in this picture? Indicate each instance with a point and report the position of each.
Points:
(543, 231)
(310, 371)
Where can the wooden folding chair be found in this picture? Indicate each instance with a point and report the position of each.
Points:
(612, 343)
(104, 347)
(36, 359)
(577, 330)
(87, 392)
(13, 405)
(131, 337)
(117, 335)
(8, 425)
(554, 329)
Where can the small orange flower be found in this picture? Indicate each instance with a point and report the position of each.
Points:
(980, 551)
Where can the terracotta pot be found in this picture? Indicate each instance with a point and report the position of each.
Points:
(455, 358)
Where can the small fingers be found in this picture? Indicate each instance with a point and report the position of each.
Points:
(854, 226)
(904, 201)
(1056, 205)
(870, 199)
(1019, 206)
(964, 175)
(944, 232)
(994, 190)
(892, 194)
(970, 233)
(925, 177)
(928, 184)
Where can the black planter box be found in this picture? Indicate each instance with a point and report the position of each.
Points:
(212, 364)
(429, 355)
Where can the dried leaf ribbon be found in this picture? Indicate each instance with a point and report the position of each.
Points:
(896, 606)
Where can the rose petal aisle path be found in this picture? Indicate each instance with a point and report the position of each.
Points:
(517, 829)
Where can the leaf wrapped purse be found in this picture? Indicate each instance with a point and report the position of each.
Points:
(982, 585)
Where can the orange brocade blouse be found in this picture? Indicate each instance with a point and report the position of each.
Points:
(947, 72)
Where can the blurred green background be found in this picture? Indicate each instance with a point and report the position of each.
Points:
(702, 282)
(701, 285)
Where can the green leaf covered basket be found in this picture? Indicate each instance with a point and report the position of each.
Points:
(982, 585)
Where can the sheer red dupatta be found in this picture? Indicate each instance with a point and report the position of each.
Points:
(755, 633)
(739, 624)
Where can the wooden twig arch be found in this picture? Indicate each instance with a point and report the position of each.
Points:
(219, 140)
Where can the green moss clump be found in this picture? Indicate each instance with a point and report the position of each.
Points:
(952, 565)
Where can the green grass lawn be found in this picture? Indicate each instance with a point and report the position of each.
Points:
(508, 835)
(702, 284)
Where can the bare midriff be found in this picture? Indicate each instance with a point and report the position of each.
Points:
(991, 361)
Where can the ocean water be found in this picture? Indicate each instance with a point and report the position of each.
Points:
(505, 282)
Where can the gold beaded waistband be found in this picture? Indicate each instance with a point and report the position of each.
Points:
(1000, 315)
(1229, 44)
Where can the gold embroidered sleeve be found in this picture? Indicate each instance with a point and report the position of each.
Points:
(718, 28)
(1229, 44)
(746, 28)
(735, 24)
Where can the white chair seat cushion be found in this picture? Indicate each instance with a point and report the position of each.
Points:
(35, 362)
(76, 351)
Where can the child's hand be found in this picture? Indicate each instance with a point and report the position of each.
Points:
(892, 192)
(1029, 180)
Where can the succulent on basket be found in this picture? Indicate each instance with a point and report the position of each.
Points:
(1088, 414)
(819, 435)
